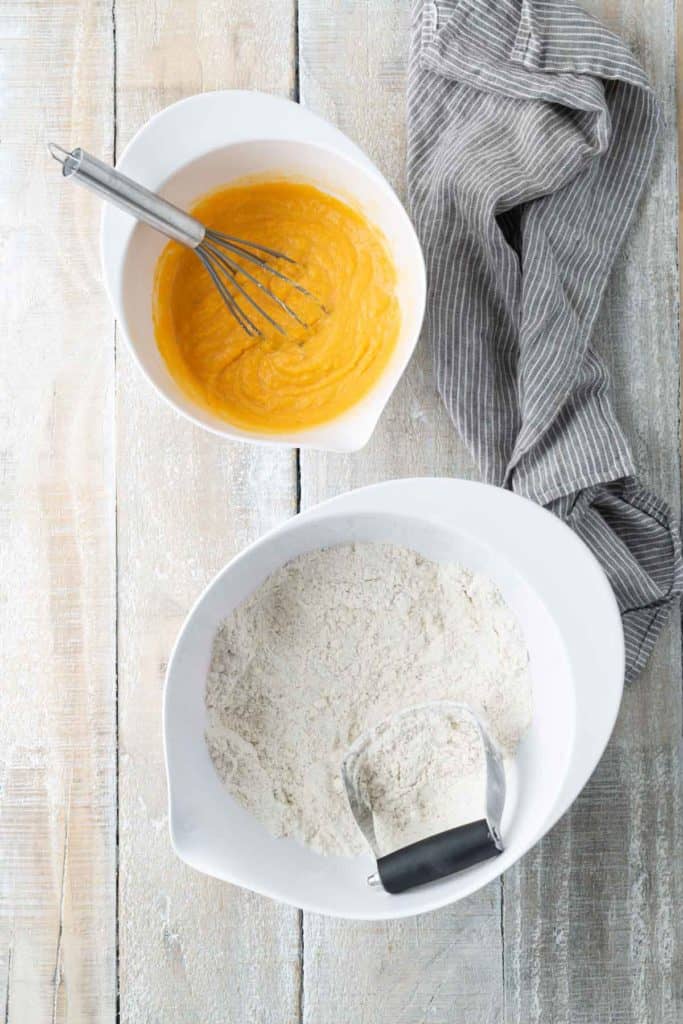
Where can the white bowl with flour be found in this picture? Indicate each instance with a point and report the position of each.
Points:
(572, 630)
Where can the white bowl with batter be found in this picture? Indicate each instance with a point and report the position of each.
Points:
(572, 628)
(207, 141)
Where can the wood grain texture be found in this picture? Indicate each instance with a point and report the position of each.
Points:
(593, 923)
(446, 966)
(588, 927)
(591, 929)
(57, 717)
(353, 65)
(679, 154)
(191, 948)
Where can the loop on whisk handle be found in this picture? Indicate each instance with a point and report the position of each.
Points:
(135, 199)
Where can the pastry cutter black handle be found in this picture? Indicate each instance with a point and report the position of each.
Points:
(445, 852)
(437, 856)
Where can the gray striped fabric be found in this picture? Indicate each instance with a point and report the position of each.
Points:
(531, 131)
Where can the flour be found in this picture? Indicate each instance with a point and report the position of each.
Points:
(332, 644)
(422, 773)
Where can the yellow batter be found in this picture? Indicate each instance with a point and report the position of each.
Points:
(314, 373)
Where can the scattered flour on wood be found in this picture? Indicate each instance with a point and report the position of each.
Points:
(330, 645)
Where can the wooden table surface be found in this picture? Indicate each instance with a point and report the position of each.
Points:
(115, 513)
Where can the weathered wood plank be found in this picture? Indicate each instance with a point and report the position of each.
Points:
(446, 966)
(592, 923)
(57, 714)
(191, 948)
(353, 63)
(590, 933)
(679, 154)
(593, 929)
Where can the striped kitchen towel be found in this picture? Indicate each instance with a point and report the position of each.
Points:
(531, 130)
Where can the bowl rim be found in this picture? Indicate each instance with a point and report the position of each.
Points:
(352, 429)
(434, 500)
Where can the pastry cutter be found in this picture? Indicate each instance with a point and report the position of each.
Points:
(444, 853)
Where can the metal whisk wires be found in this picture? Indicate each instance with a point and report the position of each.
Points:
(218, 251)
(223, 256)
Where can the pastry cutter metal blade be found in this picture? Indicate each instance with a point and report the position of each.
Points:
(446, 852)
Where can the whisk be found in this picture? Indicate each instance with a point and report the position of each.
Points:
(219, 253)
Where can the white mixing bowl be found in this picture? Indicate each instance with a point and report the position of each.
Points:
(208, 140)
(573, 632)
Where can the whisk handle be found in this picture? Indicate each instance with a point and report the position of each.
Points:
(135, 199)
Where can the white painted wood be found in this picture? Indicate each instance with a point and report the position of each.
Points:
(57, 716)
(353, 58)
(591, 930)
(593, 923)
(589, 926)
(191, 948)
(445, 966)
